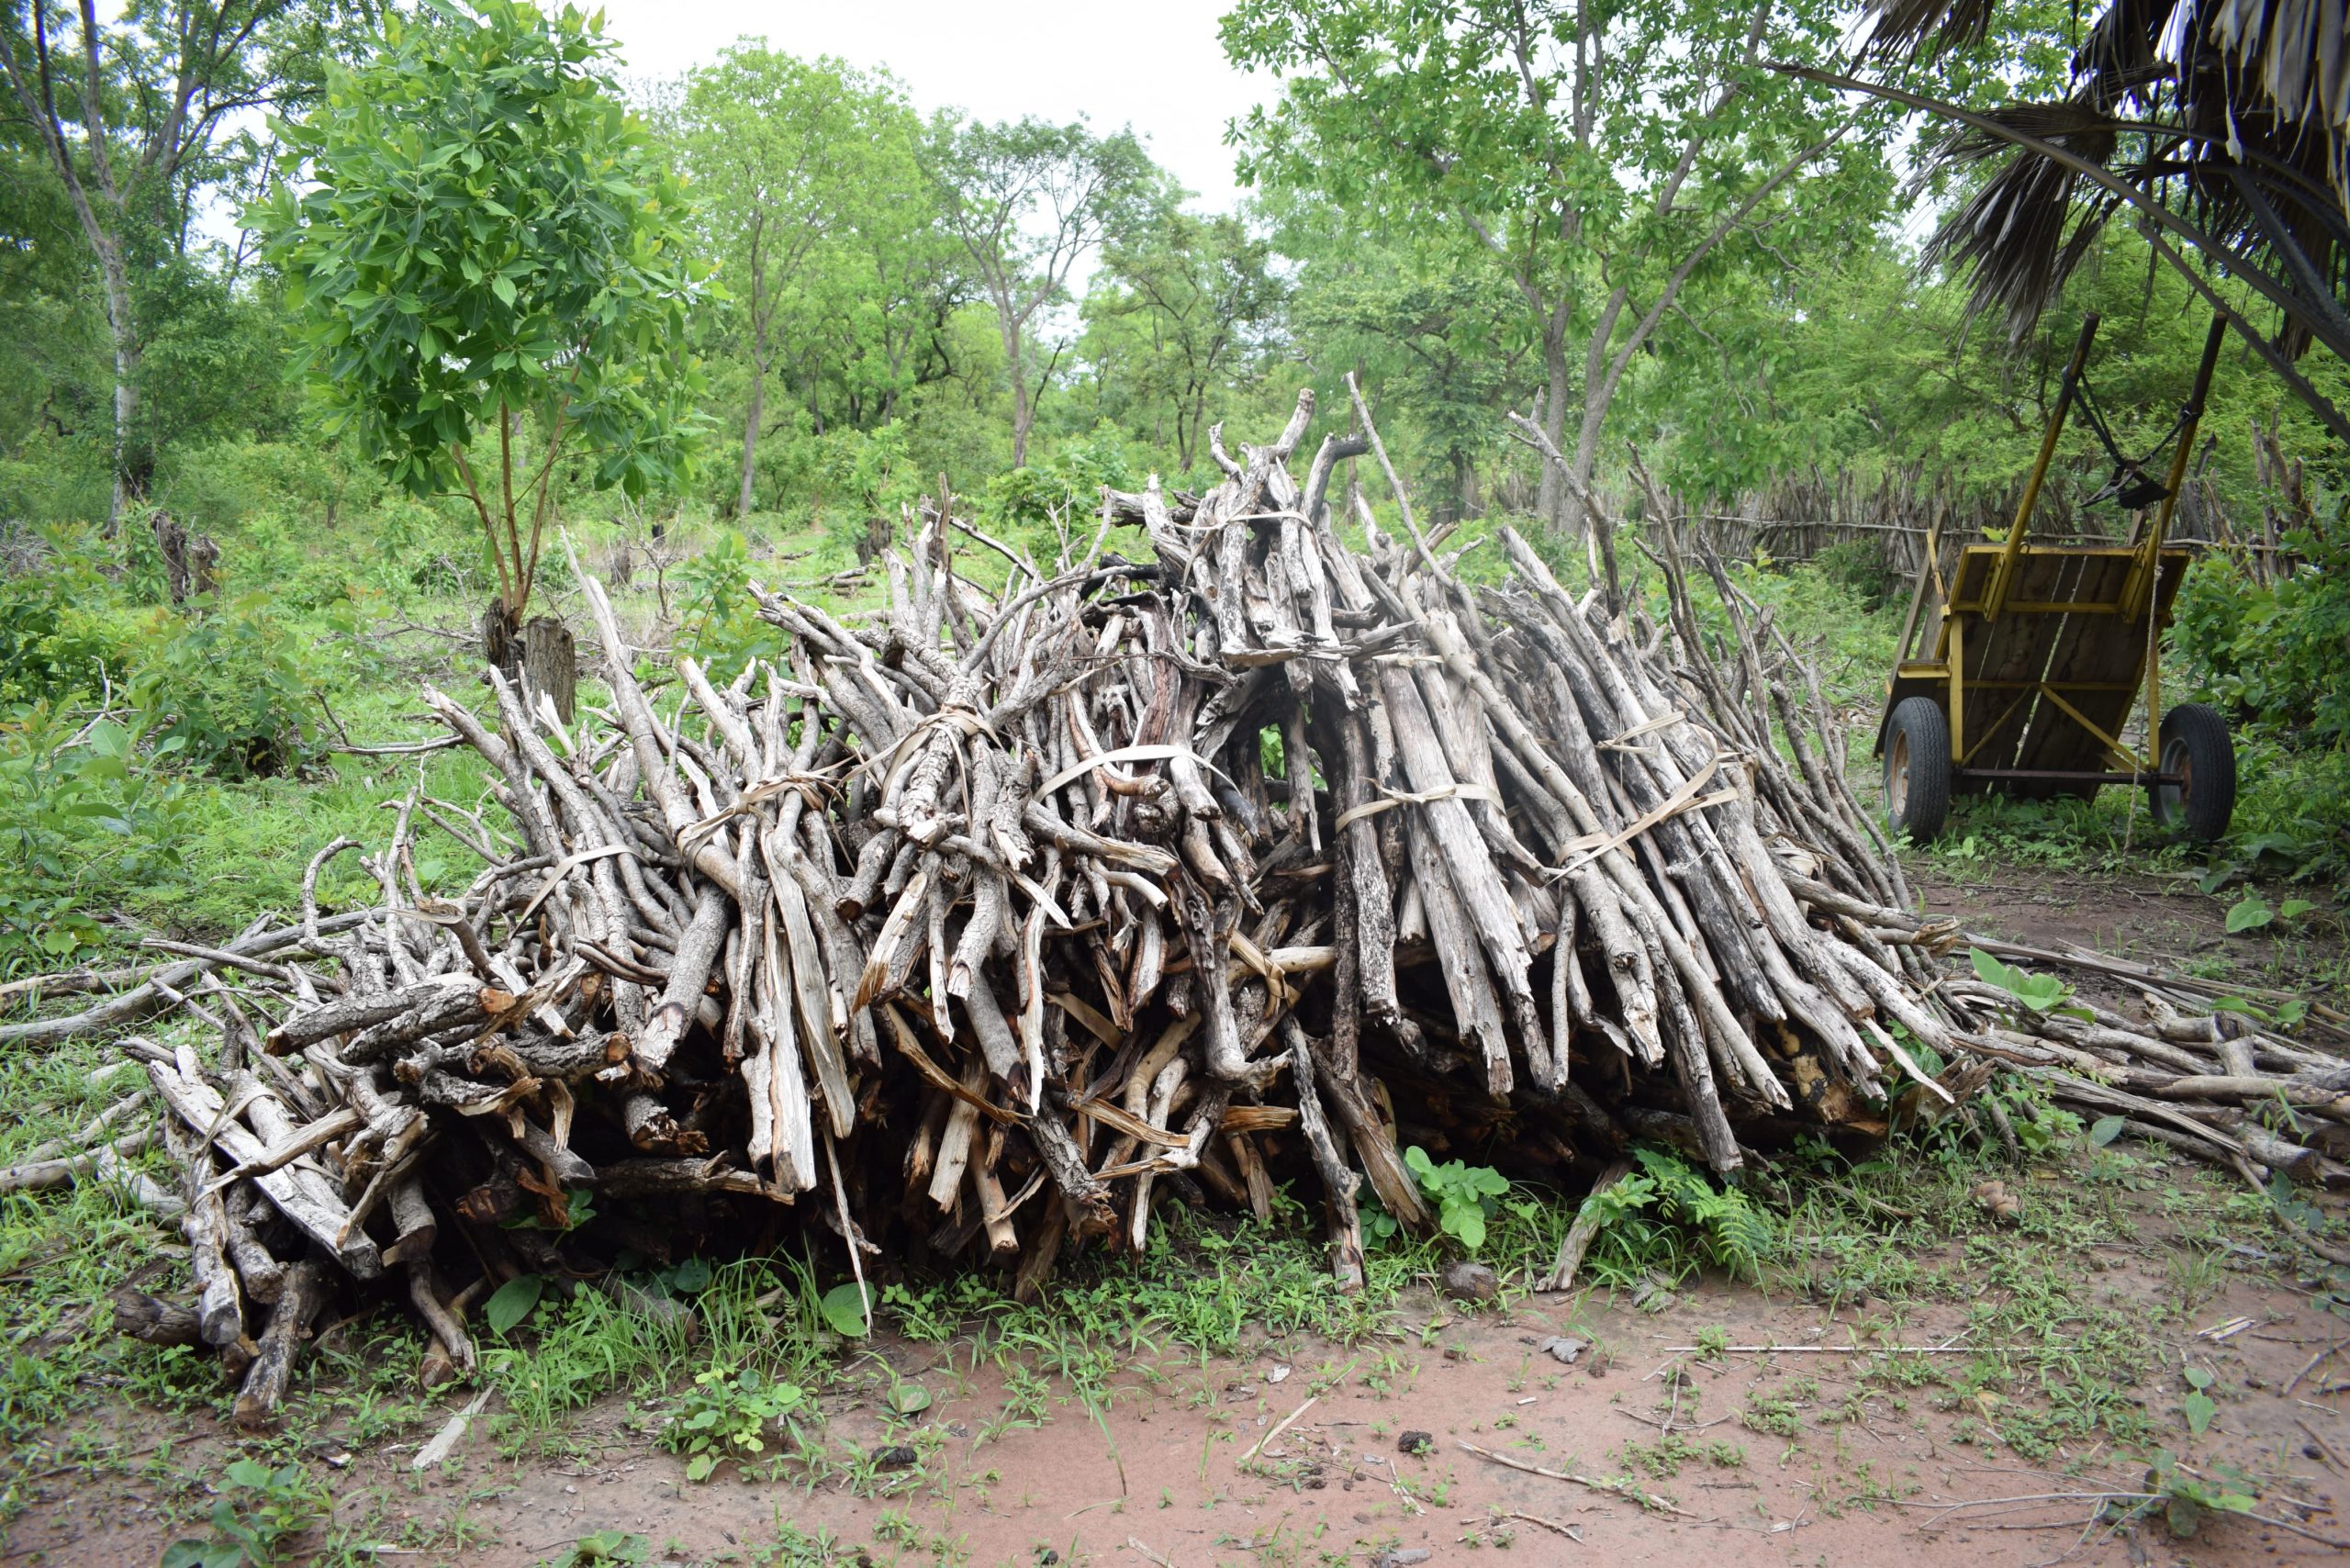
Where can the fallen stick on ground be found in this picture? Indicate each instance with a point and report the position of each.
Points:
(1625, 1489)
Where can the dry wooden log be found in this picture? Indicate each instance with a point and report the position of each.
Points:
(205, 1112)
(281, 1346)
(156, 1322)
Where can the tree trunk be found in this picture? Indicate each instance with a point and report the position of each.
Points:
(123, 328)
(1599, 392)
(1586, 453)
(1550, 498)
(1023, 413)
(751, 435)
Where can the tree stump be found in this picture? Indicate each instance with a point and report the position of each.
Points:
(501, 640)
(170, 543)
(550, 663)
(539, 656)
(203, 558)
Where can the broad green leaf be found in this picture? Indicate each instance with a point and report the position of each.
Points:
(2199, 1409)
(843, 1308)
(2249, 913)
(2105, 1130)
(248, 1472)
(511, 1301)
(1992, 971)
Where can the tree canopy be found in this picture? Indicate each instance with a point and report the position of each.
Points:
(490, 248)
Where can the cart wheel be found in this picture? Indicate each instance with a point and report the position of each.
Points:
(2195, 745)
(1917, 768)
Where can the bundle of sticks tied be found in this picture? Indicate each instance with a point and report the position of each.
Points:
(973, 925)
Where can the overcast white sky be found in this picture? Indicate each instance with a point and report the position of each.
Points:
(1156, 66)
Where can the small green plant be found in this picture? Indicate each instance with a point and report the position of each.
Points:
(727, 1414)
(923, 1316)
(262, 1510)
(847, 1310)
(2252, 911)
(606, 1549)
(2185, 1497)
(1667, 1219)
(1463, 1194)
(718, 618)
(2032, 994)
(2198, 1407)
(512, 1302)
(2286, 1015)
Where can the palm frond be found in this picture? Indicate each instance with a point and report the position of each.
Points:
(2234, 113)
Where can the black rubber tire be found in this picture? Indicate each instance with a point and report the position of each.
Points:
(2195, 742)
(1917, 768)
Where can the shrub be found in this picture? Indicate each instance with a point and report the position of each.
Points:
(79, 818)
(2272, 658)
(2273, 653)
(1857, 564)
(719, 626)
(225, 690)
(1069, 483)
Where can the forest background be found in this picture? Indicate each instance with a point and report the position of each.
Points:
(1612, 216)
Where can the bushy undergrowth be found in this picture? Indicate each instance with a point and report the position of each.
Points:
(121, 718)
(2274, 660)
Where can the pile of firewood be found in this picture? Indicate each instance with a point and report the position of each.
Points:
(977, 923)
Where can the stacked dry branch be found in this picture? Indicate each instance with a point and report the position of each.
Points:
(972, 924)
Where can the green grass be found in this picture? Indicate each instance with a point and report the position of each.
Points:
(2062, 1348)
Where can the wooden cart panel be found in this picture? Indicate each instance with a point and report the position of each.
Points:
(2060, 643)
(2013, 656)
(2100, 660)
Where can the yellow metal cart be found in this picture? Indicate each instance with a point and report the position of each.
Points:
(2036, 653)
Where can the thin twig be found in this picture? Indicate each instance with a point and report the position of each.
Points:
(1648, 1500)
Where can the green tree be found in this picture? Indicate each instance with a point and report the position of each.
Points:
(789, 156)
(1429, 324)
(127, 113)
(1202, 300)
(1030, 201)
(1598, 154)
(492, 254)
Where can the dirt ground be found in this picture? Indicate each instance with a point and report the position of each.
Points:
(2150, 918)
(1796, 1440)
